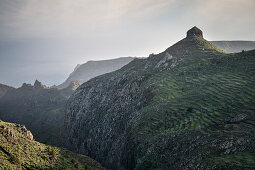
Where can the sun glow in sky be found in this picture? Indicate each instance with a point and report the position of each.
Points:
(45, 39)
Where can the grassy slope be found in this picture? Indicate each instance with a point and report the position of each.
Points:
(202, 108)
(209, 94)
(18, 151)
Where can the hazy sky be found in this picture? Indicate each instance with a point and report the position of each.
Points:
(45, 39)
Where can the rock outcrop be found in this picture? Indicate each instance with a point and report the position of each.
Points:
(194, 32)
(38, 84)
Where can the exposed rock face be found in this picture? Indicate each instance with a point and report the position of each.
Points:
(74, 85)
(38, 84)
(91, 69)
(194, 32)
(167, 111)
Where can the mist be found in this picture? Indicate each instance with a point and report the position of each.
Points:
(45, 40)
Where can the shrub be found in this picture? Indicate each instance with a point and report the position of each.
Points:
(75, 163)
(14, 160)
(52, 152)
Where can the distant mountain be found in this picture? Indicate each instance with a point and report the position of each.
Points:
(189, 107)
(38, 107)
(235, 46)
(18, 150)
(4, 89)
(91, 69)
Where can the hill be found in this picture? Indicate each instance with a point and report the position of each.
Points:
(18, 150)
(38, 107)
(91, 69)
(189, 107)
(235, 46)
(4, 89)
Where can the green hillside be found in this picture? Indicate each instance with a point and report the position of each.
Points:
(189, 107)
(18, 150)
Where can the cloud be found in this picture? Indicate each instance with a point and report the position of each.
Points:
(47, 17)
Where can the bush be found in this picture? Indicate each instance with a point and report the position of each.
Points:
(52, 152)
(75, 163)
(14, 160)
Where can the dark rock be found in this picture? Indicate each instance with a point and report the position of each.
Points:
(194, 32)
(38, 84)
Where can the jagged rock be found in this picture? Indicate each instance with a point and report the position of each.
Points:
(38, 84)
(40, 108)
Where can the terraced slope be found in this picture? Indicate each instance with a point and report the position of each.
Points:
(18, 150)
(189, 107)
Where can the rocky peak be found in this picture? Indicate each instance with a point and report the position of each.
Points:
(194, 32)
(38, 84)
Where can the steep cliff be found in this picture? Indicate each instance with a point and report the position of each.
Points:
(91, 69)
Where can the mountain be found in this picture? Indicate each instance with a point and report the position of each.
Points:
(189, 107)
(91, 69)
(235, 46)
(38, 107)
(18, 150)
(4, 89)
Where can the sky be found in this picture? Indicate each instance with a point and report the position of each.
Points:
(46, 39)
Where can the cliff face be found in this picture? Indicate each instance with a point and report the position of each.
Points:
(181, 109)
(91, 69)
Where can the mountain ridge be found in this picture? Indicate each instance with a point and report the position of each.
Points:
(234, 45)
(4, 89)
(170, 110)
(40, 108)
(91, 69)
